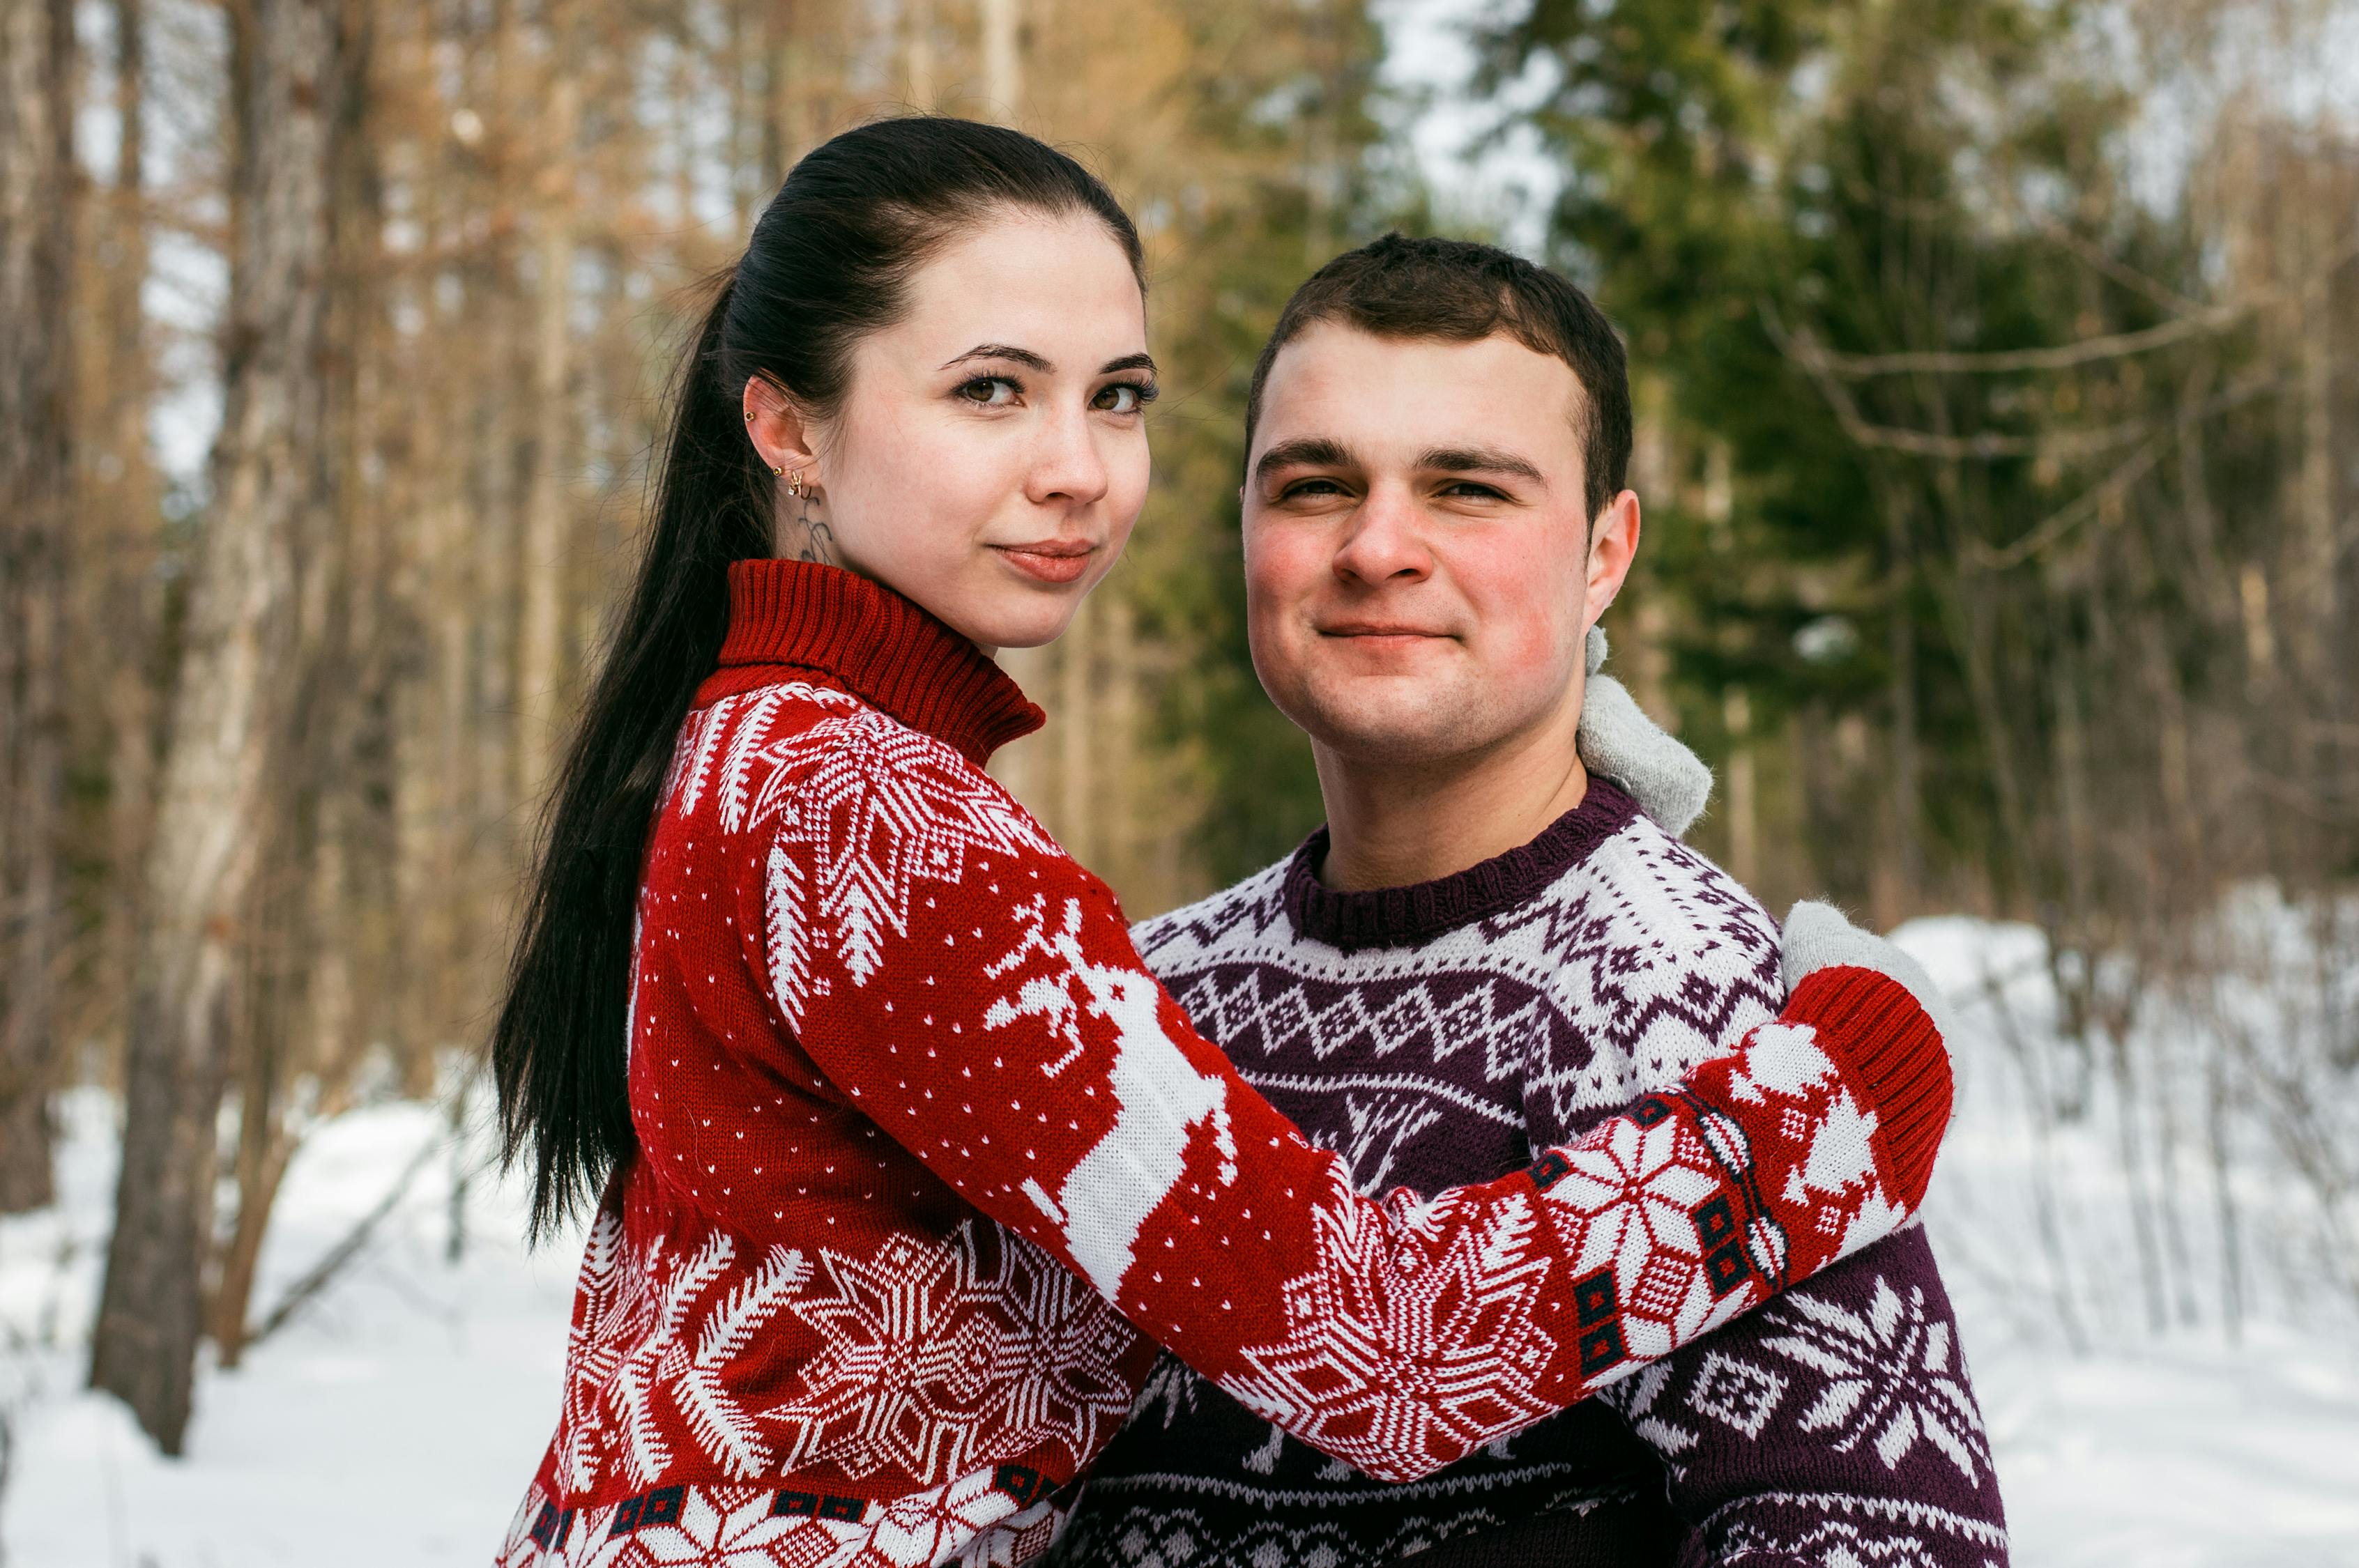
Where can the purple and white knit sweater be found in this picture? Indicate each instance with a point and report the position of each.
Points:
(1439, 1034)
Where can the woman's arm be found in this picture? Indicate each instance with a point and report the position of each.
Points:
(976, 992)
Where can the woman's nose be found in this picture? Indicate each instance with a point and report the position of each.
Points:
(1066, 464)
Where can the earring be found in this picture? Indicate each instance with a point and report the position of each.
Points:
(775, 469)
(795, 485)
(749, 416)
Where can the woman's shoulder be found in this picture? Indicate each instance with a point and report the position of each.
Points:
(815, 770)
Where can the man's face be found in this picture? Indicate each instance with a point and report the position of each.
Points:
(1419, 570)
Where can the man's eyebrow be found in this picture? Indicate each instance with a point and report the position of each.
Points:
(1024, 357)
(1479, 460)
(1128, 361)
(1306, 451)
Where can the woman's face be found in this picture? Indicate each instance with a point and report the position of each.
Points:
(990, 455)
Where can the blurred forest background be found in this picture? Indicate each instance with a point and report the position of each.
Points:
(1998, 373)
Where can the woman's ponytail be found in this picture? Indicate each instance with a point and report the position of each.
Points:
(559, 1050)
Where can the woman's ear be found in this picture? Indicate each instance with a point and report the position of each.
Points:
(779, 433)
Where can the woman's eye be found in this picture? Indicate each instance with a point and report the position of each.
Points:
(990, 391)
(1122, 397)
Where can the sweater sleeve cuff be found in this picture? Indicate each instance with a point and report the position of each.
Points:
(1886, 1047)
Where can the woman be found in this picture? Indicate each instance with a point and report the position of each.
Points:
(906, 1156)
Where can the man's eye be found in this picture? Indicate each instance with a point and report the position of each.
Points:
(1467, 487)
(1122, 397)
(991, 390)
(1307, 487)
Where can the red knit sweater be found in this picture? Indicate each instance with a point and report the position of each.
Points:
(911, 1114)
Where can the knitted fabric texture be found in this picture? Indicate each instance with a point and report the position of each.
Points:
(921, 1141)
(1438, 1034)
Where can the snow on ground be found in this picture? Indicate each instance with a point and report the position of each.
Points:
(395, 1423)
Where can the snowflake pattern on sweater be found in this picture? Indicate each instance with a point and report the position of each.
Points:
(923, 1145)
(1441, 1040)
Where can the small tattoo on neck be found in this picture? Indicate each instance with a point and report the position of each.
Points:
(809, 538)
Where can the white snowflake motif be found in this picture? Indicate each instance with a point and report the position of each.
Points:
(1631, 1201)
(969, 1523)
(610, 1309)
(1835, 1543)
(718, 1526)
(1376, 1366)
(678, 1358)
(1893, 1376)
(933, 1362)
(866, 809)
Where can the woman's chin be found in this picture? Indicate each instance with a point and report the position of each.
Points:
(1034, 622)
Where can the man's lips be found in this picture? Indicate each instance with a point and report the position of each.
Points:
(1380, 632)
(1049, 560)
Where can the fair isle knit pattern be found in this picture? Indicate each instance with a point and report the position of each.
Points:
(923, 1147)
(1440, 1034)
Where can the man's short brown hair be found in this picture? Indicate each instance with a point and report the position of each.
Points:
(1460, 292)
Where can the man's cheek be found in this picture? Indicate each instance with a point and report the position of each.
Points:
(1524, 634)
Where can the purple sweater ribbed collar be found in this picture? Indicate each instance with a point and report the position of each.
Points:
(1412, 916)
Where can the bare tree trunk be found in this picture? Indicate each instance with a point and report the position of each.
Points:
(38, 190)
(542, 637)
(1003, 68)
(264, 1152)
(126, 606)
(298, 69)
(1897, 877)
(1118, 732)
(1078, 740)
(917, 17)
(1744, 793)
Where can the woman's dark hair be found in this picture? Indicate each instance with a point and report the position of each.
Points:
(829, 261)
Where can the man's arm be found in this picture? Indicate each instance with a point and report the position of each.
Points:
(1838, 1415)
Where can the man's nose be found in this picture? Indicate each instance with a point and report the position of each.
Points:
(1382, 541)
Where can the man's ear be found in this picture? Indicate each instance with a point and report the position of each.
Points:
(1613, 545)
(779, 430)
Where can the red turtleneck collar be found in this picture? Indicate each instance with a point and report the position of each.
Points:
(871, 642)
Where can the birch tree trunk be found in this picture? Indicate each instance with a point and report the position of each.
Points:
(37, 218)
(296, 71)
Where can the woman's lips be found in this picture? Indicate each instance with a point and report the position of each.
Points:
(1051, 560)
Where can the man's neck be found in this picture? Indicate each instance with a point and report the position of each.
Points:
(1390, 825)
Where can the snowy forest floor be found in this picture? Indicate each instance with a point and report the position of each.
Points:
(397, 1418)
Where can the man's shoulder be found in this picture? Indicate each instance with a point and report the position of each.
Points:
(1664, 892)
(1235, 924)
(1659, 957)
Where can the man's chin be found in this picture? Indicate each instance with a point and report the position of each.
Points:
(1406, 734)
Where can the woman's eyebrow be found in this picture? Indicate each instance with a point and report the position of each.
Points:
(1128, 361)
(1024, 357)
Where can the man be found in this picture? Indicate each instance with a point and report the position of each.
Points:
(1488, 948)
